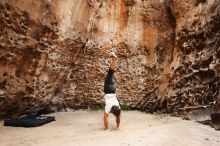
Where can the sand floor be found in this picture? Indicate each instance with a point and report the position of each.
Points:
(85, 128)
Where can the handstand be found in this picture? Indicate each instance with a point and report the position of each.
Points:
(111, 102)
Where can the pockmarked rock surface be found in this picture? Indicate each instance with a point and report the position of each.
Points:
(55, 54)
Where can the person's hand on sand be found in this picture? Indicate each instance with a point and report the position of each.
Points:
(114, 129)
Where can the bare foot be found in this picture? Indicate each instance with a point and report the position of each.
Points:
(113, 54)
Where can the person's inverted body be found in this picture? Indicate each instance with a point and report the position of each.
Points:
(111, 102)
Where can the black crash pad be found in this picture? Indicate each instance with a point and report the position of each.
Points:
(29, 121)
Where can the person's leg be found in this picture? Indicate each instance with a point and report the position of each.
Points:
(105, 121)
(113, 63)
(109, 84)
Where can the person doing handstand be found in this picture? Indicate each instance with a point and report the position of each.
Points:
(111, 102)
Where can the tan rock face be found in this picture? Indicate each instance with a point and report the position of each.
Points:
(55, 54)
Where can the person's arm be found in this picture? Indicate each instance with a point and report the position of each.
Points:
(105, 121)
(118, 121)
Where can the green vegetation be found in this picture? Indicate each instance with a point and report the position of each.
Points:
(125, 107)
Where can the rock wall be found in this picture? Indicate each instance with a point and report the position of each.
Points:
(193, 77)
(55, 54)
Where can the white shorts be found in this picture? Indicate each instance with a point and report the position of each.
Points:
(110, 100)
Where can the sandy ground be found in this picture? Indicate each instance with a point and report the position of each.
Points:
(85, 128)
